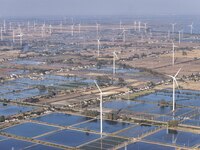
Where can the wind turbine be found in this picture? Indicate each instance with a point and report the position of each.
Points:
(191, 28)
(175, 83)
(10, 26)
(114, 65)
(20, 36)
(50, 29)
(34, 26)
(173, 52)
(98, 45)
(135, 25)
(28, 25)
(4, 26)
(1, 34)
(168, 34)
(124, 35)
(43, 30)
(120, 25)
(13, 36)
(72, 30)
(145, 27)
(173, 27)
(139, 26)
(179, 37)
(101, 103)
(79, 28)
(97, 28)
(61, 26)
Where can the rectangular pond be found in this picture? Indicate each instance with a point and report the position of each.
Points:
(137, 131)
(41, 147)
(107, 142)
(70, 138)
(108, 126)
(13, 144)
(8, 110)
(24, 94)
(176, 137)
(146, 146)
(62, 119)
(183, 97)
(29, 129)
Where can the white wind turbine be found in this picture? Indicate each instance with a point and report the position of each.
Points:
(179, 37)
(168, 35)
(50, 29)
(139, 26)
(13, 36)
(79, 28)
(98, 45)
(191, 28)
(1, 34)
(173, 53)
(120, 25)
(175, 83)
(97, 28)
(4, 26)
(101, 103)
(34, 26)
(145, 27)
(124, 35)
(43, 30)
(28, 25)
(61, 26)
(72, 30)
(10, 26)
(135, 25)
(21, 38)
(114, 59)
(173, 27)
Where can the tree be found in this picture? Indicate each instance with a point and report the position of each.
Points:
(2, 118)
(121, 82)
(103, 80)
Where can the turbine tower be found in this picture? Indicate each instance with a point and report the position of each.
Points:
(10, 26)
(179, 37)
(98, 45)
(21, 38)
(114, 59)
(1, 34)
(34, 26)
(173, 52)
(61, 26)
(101, 114)
(191, 28)
(97, 28)
(13, 36)
(28, 25)
(135, 25)
(145, 27)
(72, 30)
(79, 28)
(124, 35)
(175, 83)
(173, 27)
(50, 29)
(4, 26)
(139, 26)
(120, 25)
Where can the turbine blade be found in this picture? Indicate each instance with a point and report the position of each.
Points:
(177, 72)
(176, 82)
(98, 87)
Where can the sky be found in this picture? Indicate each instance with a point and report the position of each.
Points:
(98, 7)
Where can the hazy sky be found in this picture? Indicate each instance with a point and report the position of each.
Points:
(97, 7)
